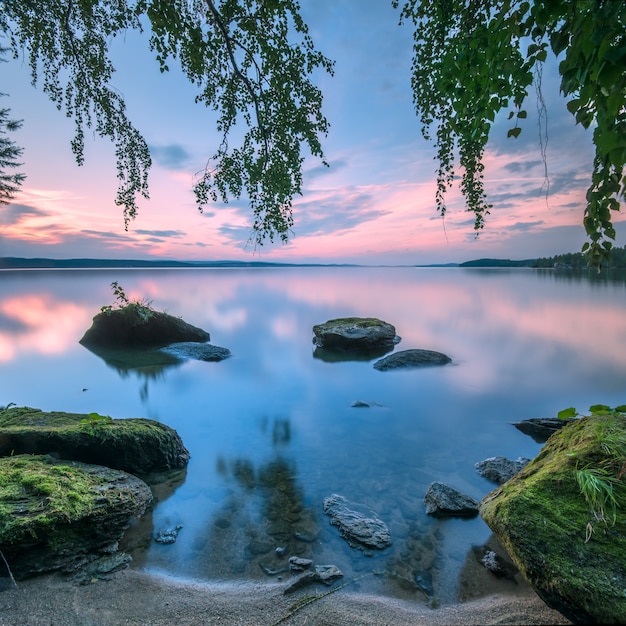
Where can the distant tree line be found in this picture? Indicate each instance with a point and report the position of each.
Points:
(577, 260)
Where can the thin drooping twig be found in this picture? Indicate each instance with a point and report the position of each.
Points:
(6, 564)
(228, 40)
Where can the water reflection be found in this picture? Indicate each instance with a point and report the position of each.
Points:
(272, 430)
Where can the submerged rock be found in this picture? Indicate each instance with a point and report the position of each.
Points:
(62, 515)
(168, 535)
(198, 351)
(441, 500)
(573, 559)
(325, 574)
(358, 524)
(135, 445)
(412, 358)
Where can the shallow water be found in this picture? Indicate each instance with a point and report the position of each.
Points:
(272, 430)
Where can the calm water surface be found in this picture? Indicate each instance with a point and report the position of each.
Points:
(272, 430)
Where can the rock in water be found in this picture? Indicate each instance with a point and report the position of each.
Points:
(355, 332)
(499, 469)
(358, 525)
(443, 500)
(412, 358)
(122, 328)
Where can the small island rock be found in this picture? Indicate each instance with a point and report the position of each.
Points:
(123, 328)
(349, 333)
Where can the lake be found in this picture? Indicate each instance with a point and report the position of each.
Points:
(272, 430)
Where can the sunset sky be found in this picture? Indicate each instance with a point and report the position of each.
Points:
(374, 205)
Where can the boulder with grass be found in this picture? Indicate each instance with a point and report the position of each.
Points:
(64, 515)
(562, 519)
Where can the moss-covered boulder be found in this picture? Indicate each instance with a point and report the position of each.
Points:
(136, 326)
(135, 445)
(353, 338)
(570, 548)
(59, 515)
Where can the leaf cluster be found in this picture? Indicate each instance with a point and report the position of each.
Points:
(474, 59)
(250, 59)
(10, 153)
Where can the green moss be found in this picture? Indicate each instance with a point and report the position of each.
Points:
(135, 445)
(360, 322)
(36, 492)
(551, 531)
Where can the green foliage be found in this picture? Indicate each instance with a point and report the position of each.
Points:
(577, 260)
(10, 181)
(140, 309)
(568, 413)
(475, 59)
(252, 60)
(249, 59)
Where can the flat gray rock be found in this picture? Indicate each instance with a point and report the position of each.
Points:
(412, 358)
(198, 351)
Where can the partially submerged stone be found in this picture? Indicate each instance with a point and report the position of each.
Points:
(542, 428)
(61, 515)
(499, 469)
(355, 333)
(198, 351)
(574, 561)
(124, 328)
(358, 524)
(441, 500)
(135, 445)
(412, 358)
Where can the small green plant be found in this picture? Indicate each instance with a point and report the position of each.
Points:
(93, 421)
(141, 309)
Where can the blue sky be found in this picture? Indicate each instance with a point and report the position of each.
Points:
(374, 205)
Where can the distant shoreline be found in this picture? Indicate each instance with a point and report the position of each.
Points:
(20, 263)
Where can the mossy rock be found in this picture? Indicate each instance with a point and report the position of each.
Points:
(355, 333)
(126, 328)
(134, 445)
(61, 514)
(574, 561)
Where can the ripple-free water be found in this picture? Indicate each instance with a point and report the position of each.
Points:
(272, 430)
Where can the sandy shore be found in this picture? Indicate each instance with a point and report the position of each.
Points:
(136, 598)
